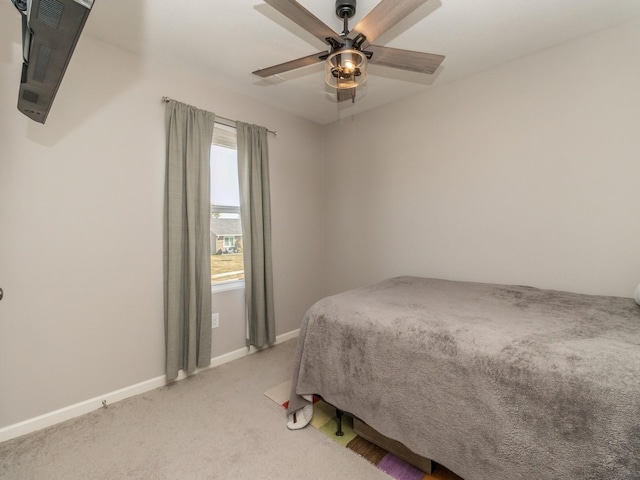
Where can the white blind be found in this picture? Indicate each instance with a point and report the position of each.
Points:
(225, 136)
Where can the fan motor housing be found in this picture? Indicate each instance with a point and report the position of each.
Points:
(345, 8)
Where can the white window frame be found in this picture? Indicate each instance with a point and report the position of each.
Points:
(223, 136)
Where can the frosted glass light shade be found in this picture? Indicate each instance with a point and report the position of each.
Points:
(346, 69)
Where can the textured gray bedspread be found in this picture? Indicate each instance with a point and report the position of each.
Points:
(495, 382)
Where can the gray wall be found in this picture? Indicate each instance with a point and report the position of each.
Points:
(81, 206)
(527, 174)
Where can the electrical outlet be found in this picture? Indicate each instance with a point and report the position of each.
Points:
(215, 320)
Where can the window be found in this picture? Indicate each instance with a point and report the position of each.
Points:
(227, 266)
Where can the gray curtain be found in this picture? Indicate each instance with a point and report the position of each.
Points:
(187, 260)
(255, 208)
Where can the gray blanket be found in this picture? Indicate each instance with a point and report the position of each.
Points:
(495, 382)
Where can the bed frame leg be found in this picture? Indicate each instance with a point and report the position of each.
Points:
(339, 414)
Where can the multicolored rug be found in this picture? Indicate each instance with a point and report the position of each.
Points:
(324, 419)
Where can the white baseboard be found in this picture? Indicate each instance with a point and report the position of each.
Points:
(81, 408)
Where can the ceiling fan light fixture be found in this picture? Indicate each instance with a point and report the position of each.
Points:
(349, 55)
(346, 69)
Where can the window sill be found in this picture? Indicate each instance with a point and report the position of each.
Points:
(225, 286)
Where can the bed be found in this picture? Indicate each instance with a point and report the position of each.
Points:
(495, 382)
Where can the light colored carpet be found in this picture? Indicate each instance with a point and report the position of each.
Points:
(215, 425)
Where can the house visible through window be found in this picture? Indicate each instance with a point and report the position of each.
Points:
(226, 229)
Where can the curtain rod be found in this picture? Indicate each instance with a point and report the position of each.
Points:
(224, 121)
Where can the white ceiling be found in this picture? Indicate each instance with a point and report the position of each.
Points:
(225, 40)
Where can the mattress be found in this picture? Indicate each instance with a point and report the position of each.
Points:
(492, 381)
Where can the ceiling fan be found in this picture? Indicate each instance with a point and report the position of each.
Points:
(346, 61)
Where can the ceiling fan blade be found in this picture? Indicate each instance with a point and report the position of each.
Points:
(384, 16)
(292, 65)
(345, 94)
(303, 17)
(405, 59)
